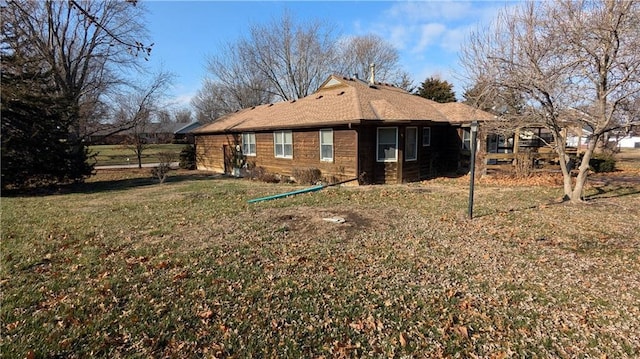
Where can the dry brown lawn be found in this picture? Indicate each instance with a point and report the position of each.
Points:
(125, 267)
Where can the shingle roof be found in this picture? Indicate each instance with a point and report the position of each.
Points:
(457, 112)
(341, 100)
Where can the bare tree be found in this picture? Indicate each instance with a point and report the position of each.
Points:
(573, 62)
(183, 115)
(283, 59)
(357, 53)
(404, 81)
(83, 44)
(135, 111)
(217, 98)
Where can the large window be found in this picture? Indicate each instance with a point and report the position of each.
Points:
(387, 150)
(326, 145)
(426, 137)
(249, 144)
(411, 144)
(283, 144)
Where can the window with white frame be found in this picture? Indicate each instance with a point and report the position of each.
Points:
(466, 139)
(326, 145)
(411, 144)
(426, 137)
(387, 149)
(249, 144)
(283, 144)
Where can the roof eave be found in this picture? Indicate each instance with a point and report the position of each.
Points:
(280, 128)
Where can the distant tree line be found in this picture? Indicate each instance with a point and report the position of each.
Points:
(286, 60)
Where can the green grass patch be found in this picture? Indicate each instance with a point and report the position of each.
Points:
(124, 267)
(110, 155)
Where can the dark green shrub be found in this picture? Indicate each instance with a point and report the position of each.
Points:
(188, 158)
(603, 163)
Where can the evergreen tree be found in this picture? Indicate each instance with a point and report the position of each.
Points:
(36, 148)
(436, 90)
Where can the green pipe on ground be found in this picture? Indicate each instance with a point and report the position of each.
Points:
(287, 194)
(300, 191)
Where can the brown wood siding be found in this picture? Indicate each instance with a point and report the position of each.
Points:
(210, 151)
(306, 153)
(378, 172)
(441, 157)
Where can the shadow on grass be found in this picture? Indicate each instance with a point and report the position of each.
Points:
(107, 185)
(521, 209)
(605, 192)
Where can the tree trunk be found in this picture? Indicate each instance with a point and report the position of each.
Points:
(574, 192)
(566, 173)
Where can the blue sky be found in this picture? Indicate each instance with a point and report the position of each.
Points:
(427, 34)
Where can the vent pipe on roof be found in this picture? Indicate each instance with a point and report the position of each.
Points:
(372, 76)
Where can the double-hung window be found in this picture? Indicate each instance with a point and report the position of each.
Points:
(426, 137)
(387, 148)
(249, 144)
(326, 145)
(283, 144)
(466, 139)
(411, 144)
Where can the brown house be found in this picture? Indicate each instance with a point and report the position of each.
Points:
(348, 128)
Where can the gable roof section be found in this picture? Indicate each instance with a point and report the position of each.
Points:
(339, 101)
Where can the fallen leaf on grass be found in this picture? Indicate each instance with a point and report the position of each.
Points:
(206, 314)
(181, 275)
(462, 331)
(403, 340)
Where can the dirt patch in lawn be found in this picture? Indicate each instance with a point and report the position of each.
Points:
(321, 221)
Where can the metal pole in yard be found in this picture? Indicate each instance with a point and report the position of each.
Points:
(474, 134)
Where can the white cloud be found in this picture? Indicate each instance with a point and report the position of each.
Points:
(430, 10)
(454, 38)
(183, 100)
(427, 35)
(397, 35)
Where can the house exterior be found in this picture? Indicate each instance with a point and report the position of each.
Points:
(348, 128)
(184, 134)
(629, 142)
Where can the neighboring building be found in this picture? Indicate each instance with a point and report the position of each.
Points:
(153, 133)
(628, 141)
(184, 134)
(348, 128)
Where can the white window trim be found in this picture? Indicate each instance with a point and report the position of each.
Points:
(428, 142)
(326, 159)
(250, 135)
(395, 159)
(415, 145)
(282, 134)
(464, 132)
